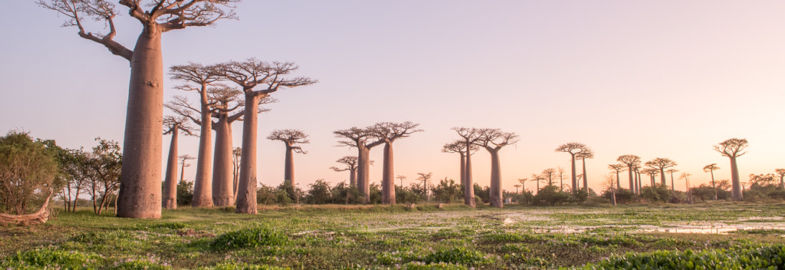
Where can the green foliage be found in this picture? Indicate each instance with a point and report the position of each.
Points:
(243, 266)
(763, 257)
(407, 195)
(447, 191)
(40, 258)
(27, 172)
(550, 195)
(483, 193)
(185, 193)
(622, 195)
(251, 237)
(458, 255)
(319, 193)
(656, 194)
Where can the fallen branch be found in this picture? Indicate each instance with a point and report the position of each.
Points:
(39, 217)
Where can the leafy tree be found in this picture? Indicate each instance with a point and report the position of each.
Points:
(319, 193)
(185, 193)
(550, 195)
(106, 163)
(447, 191)
(27, 172)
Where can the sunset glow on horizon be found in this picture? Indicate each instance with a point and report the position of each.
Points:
(666, 79)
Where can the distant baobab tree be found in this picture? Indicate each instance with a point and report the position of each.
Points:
(652, 172)
(459, 147)
(198, 79)
(781, 173)
(686, 177)
(710, 169)
(733, 148)
(258, 80)
(237, 152)
(537, 178)
(583, 155)
(401, 178)
(350, 164)
(424, 177)
(573, 149)
(389, 132)
(469, 136)
(631, 161)
(548, 173)
(292, 139)
(661, 164)
(494, 140)
(184, 163)
(363, 140)
(671, 171)
(609, 182)
(561, 179)
(140, 188)
(173, 126)
(638, 183)
(618, 168)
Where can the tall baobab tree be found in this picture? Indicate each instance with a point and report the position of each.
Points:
(389, 132)
(671, 171)
(258, 80)
(292, 139)
(350, 164)
(630, 161)
(523, 184)
(652, 172)
(583, 155)
(710, 169)
(618, 168)
(424, 177)
(363, 140)
(733, 148)
(458, 147)
(198, 79)
(469, 137)
(140, 188)
(237, 152)
(781, 173)
(173, 126)
(549, 173)
(661, 164)
(494, 140)
(573, 149)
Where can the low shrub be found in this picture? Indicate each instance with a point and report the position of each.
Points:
(252, 237)
(761, 257)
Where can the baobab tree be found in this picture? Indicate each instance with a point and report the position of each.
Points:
(573, 149)
(469, 137)
(389, 132)
(237, 152)
(424, 177)
(292, 139)
(661, 164)
(583, 155)
(523, 183)
(710, 169)
(173, 126)
(183, 164)
(781, 173)
(363, 140)
(140, 188)
(494, 140)
(652, 172)
(537, 179)
(549, 173)
(733, 148)
(458, 147)
(631, 161)
(671, 171)
(618, 168)
(350, 164)
(258, 80)
(561, 179)
(686, 177)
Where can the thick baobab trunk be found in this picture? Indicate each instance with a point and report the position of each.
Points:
(170, 183)
(353, 178)
(632, 181)
(288, 170)
(140, 188)
(463, 169)
(388, 184)
(662, 177)
(714, 186)
(737, 194)
(203, 189)
(468, 189)
(223, 178)
(363, 166)
(246, 189)
(496, 181)
(653, 180)
(574, 177)
(618, 181)
(585, 176)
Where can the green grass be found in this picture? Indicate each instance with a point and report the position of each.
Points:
(359, 237)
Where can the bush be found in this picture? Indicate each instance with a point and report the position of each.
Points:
(550, 195)
(27, 172)
(320, 193)
(483, 193)
(457, 256)
(622, 195)
(656, 194)
(252, 237)
(763, 257)
(40, 258)
(185, 193)
(447, 191)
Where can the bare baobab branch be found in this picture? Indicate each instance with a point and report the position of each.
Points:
(661, 164)
(733, 148)
(494, 140)
(573, 149)
(363, 139)
(631, 161)
(292, 139)
(389, 132)
(469, 137)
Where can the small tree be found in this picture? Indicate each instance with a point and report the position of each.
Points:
(710, 168)
(27, 173)
(292, 139)
(733, 148)
(106, 163)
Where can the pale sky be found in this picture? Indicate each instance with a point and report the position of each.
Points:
(656, 79)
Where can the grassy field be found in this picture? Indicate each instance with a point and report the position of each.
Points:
(358, 237)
